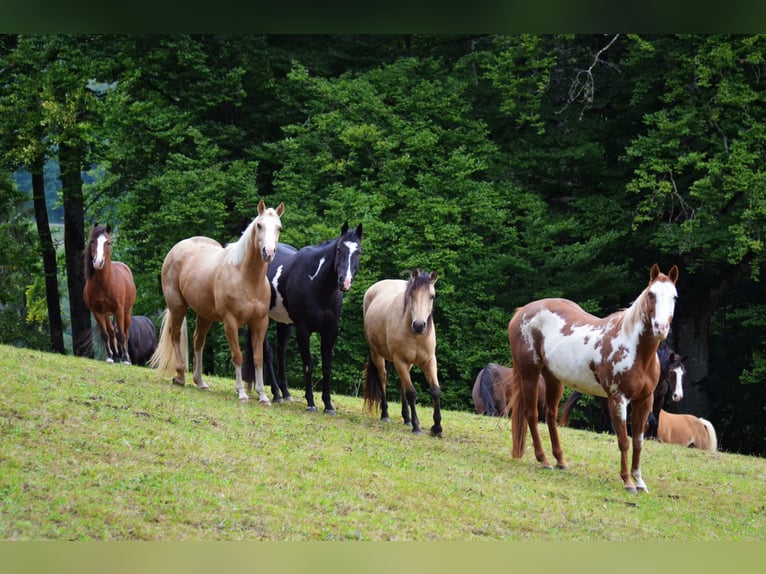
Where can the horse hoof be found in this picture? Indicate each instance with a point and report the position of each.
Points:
(278, 400)
(631, 489)
(436, 432)
(385, 419)
(244, 399)
(178, 382)
(562, 467)
(311, 409)
(547, 466)
(330, 412)
(110, 360)
(289, 398)
(264, 402)
(127, 363)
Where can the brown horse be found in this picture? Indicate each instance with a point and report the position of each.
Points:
(109, 290)
(686, 430)
(613, 357)
(492, 392)
(399, 327)
(219, 284)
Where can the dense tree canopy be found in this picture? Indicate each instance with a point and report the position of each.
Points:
(518, 167)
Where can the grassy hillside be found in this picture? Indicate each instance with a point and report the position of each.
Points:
(112, 452)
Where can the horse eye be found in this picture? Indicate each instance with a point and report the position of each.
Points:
(258, 226)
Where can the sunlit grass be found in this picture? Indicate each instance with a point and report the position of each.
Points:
(111, 452)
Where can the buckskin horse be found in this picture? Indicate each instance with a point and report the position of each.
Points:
(399, 328)
(613, 357)
(220, 284)
(109, 290)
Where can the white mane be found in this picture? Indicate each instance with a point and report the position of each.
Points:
(234, 253)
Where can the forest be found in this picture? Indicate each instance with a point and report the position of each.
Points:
(516, 166)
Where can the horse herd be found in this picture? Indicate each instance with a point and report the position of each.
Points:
(553, 342)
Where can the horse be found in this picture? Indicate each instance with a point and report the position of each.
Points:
(307, 287)
(109, 290)
(670, 385)
(399, 328)
(143, 339)
(686, 430)
(226, 284)
(613, 357)
(492, 391)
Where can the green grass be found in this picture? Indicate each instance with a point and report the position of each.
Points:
(91, 451)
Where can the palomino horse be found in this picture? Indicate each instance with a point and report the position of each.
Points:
(613, 357)
(672, 372)
(219, 284)
(399, 327)
(143, 339)
(686, 430)
(307, 289)
(492, 392)
(109, 290)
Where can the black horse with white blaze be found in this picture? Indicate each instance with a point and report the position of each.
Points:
(307, 288)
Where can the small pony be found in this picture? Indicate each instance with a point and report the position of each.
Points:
(686, 430)
(109, 290)
(492, 392)
(399, 327)
(221, 284)
(613, 357)
(143, 339)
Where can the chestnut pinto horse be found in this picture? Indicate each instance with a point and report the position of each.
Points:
(399, 327)
(615, 357)
(219, 284)
(109, 290)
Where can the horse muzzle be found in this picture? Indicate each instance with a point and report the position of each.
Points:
(344, 284)
(99, 263)
(660, 330)
(419, 327)
(268, 255)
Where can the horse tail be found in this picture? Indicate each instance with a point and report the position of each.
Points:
(164, 358)
(373, 389)
(519, 422)
(486, 382)
(712, 437)
(566, 411)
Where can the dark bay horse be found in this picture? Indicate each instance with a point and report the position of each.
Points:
(686, 430)
(492, 392)
(143, 339)
(614, 357)
(307, 287)
(109, 290)
(670, 386)
(399, 327)
(220, 284)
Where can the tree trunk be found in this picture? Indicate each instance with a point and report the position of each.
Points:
(55, 324)
(74, 240)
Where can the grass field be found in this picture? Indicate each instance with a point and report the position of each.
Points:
(91, 451)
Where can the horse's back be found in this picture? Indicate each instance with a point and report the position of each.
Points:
(382, 294)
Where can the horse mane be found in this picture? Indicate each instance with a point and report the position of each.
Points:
(235, 252)
(413, 284)
(636, 313)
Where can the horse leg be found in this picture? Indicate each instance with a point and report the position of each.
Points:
(283, 336)
(529, 383)
(200, 333)
(409, 395)
(554, 390)
(268, 361)
(378, 363)
(303, 336)
(122, 320)
(618, 406)
(639, 412)
(105, 328)
(328, 338)
(258, 330)
(429, 371)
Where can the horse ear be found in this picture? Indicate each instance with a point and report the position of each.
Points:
(414, 272)
(434, 277)
(654, 272)
(281, 209)
(344, 228)
(359, 230)
(261, 207)
(108, 228)
(673, 273)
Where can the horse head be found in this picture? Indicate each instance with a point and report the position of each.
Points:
(676, 372)
(100, 245)
(662, 295)
(419, 295)
(267, 229)
(347, 252)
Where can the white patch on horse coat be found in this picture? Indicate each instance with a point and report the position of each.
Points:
(100, 259)
(567, 357)
(623, 409)
(352, 247)
(279, 312)
(321, 262)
